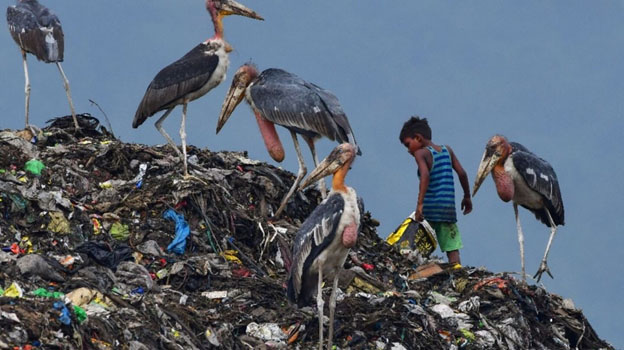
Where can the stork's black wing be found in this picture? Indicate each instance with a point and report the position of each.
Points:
(539, 176)
(184, 76)
(36, 30)
(285, 99)
(314, 235)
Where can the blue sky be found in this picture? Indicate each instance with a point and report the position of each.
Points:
(545, 74)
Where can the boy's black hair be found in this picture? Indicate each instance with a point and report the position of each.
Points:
(415, 125)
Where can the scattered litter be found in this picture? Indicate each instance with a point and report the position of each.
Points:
(89, 260)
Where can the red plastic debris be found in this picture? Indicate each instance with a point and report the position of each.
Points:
(180, 205)
(493, 281)
(15, 249)
(241, 272)
(368, 267)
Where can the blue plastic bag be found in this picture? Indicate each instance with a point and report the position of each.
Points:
(178, 245)
(65, 318)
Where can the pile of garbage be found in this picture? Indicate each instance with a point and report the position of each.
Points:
(105, 245)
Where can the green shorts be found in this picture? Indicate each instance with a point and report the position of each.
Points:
(448, 235)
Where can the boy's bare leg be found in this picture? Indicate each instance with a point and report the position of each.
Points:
(453, 257)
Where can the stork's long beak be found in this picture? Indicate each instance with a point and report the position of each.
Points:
(231, 7)
(232, 99)
(338, 158)
(488, 161)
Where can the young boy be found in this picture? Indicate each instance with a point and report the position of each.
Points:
(436, 195)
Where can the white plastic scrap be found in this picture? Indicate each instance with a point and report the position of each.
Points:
(211, 335)
(513, 339)
(485, 339)
(471, 304)
(441, 299)
(415, 309)
(10, 316)
(265, 331)
(397, 346)
(219, 294)
(443, 310)
(568, 304)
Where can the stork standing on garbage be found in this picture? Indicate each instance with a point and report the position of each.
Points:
(192, 76)
(323, 242)
(279, 97)
(38, 31)
(526, 180)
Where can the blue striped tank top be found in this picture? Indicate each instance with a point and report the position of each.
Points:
(439, 202)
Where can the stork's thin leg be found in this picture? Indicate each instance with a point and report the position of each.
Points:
(319, 305)
(332, 308)
(26, 86)
(543, 266)
(520, 240)
(68, 92)
(183, 136)
(162, 131)
(321, 184)
(300, 174)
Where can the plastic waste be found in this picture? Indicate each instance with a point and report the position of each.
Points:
(119, 231)
(81, 314)
(104, 254)
(265, 331)
(64, 317)
(58, 223)
(34, 167)
(138, 180)
(414, 235)
(178, 245)
(44, 293)
(14, 291)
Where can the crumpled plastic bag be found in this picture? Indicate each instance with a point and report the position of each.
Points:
(106, 255)
(35, 264)
(134, 274)
(34, 167)
(265, 331)
(58, 223)
(64, 317)
(150, 247)
(119, 231)
(178, 245)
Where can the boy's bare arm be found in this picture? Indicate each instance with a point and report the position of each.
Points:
(423, 169)
(466, 204)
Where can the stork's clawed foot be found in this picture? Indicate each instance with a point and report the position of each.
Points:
(543, 268)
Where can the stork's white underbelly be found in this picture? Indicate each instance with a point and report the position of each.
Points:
(216, 78)
(333, 257)
(523, 194)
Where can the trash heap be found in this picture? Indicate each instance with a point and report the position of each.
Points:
(105, 245)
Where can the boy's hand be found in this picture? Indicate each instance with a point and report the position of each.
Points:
(466, 205)
(419, 215)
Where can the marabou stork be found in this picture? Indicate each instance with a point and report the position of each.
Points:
(322, 243)
(527, 180)
(192, 76)
(38, 31)
(279, 97)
